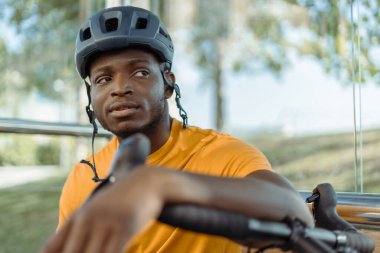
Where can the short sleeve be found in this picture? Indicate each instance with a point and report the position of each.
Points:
(228, 157)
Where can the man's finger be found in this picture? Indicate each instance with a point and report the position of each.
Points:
(57, 242)
(98, 240)
(76, 240)
(115, 243)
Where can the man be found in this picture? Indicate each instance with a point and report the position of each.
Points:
(126, 53)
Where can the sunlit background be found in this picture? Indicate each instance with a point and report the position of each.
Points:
(296, 78)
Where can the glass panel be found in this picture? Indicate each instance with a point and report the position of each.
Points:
(285, 77)
(368, 91)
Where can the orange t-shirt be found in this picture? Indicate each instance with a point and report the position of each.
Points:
(192, 150)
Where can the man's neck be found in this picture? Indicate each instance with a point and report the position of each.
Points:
(158, 134)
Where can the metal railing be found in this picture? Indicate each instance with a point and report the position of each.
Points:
(48, 128)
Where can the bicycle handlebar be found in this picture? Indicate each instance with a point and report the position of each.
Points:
(134, 150)
(240, 227)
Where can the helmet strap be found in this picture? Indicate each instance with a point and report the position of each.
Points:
(182, 112)
(90, 113)
(175, 86)
(91, 117)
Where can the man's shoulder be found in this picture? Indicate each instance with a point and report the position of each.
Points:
(211, 143)
(211, 136)
(223, 154)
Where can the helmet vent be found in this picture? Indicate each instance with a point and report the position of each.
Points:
(161, 31)
(86, 33)
(141, 23)
(111, 24)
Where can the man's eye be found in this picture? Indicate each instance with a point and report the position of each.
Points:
(141, 73)
(103, 80)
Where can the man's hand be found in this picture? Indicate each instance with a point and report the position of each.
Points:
(111, 218)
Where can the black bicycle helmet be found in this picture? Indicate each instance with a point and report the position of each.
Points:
(122, 27)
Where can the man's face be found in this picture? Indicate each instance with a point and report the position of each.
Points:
(128, 92)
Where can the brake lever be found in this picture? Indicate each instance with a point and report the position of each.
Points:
(324, 209)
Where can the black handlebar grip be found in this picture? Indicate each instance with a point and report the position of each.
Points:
(132, 151)
(324, 210)
(206, 220)
(359, 242)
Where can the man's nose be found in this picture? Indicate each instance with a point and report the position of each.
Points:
(122, 86)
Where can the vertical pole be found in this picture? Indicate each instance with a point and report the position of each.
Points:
(353, 56)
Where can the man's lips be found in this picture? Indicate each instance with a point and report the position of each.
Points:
(123, 109)
(122, 106)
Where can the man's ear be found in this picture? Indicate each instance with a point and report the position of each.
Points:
(169, 84)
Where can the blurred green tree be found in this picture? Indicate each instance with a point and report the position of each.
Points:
(47, 32)
(210, 35)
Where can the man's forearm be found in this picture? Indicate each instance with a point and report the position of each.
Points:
(272, 177)
(256, 197)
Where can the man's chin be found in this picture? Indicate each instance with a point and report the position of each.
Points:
(125, 128)
(125, 134)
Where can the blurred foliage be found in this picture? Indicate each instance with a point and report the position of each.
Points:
(334, 27)
(17, 151)
(261, 36)
(47, 32)
(268, 32)
(20, 150)
(48, 153)
(3, 51)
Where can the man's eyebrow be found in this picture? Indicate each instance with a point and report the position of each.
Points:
(100, 69)
(132, 62)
